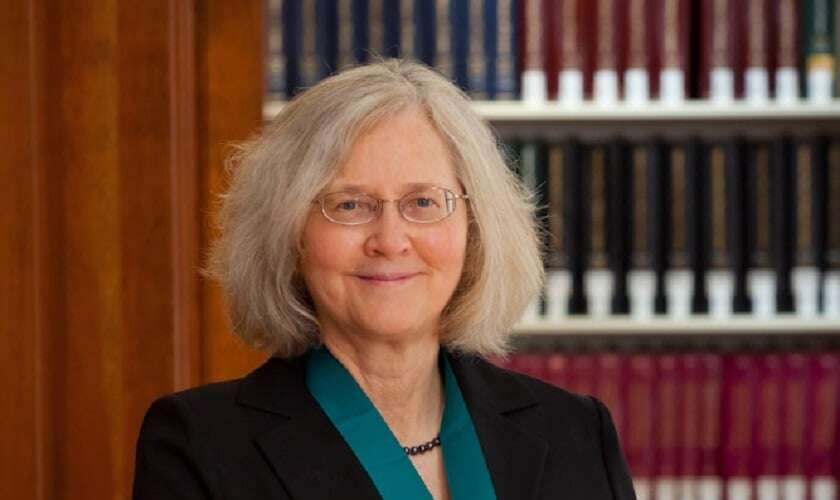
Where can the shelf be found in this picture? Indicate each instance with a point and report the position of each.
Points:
(593, 121)
(782, 325)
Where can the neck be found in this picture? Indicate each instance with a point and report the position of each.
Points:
(401, 379)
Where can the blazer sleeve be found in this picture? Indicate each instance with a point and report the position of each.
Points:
(618, 473)
(172, 460)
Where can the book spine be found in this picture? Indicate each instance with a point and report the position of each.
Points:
(717, 56)
(786, 24)
(408, 30)
(659, 222)
(568, 37)
(551, 46)
(443, 38)
(459, 16)
(311, 69)
(823, 391)
(831, 280)
(639, 442)
(507, 59)
(425, 35)
(606, 86)
(534, 84)
(619, 181)
(534, 173)
(291, 15)
(766, 456)
(641, 278)
(376, 29)
(756, 70)
(599, 279)
(719, 278)
(326, 43)
(738, 201)
(583, 373)
(819, 50)
(679, 278)
(736, 440)
(634, 17)
(345, 36)
(666, 415)
(697, 210)
(391, 27)
(671, 40)
(783, 187)
(530, 363)
(477, 59)
(688, 441)
(361, 35)
(490, 18)
(805, 274)
(820, 149)
(709, 481)
(761, 279)
(577, 237)
(558, 281)
(610, 367)
(275, 82)
(557, 367)
(794, 426)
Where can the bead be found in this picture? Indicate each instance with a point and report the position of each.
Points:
(422, 448)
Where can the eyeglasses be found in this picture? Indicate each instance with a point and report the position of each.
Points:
(424, 206)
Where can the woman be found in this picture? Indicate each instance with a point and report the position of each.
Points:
(375, 242)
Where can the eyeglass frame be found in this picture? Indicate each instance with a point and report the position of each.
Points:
(380, 202)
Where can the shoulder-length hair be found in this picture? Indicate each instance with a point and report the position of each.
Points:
(277, 174)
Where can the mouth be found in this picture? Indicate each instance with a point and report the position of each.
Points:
(386, 278)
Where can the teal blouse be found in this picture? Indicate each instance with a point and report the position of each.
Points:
(365, 431)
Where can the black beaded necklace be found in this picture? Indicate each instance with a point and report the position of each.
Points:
(422, 448)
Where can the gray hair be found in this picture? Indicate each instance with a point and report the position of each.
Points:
(277, 174)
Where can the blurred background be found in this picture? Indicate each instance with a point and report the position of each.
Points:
(685, 156)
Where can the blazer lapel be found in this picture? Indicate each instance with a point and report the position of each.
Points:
(312, 460)
(514, 456)
(304, 449)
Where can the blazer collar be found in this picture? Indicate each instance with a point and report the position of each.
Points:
(310, 457)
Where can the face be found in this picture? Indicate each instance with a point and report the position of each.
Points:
(389, 278)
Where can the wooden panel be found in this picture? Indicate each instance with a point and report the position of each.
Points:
(230, 48)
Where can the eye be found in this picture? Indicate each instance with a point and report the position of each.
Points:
(347, 205)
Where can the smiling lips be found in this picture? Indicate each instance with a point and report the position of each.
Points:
(385, 278)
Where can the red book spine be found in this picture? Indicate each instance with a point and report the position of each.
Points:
(635, 49)
(588, 33)
(709, 484)
(690, 372)
(767, 433)
(794, 418)
(608, 387)
(639, 443)
(822, 432)
(571, 51)
(551, 47)
(582, 373)
(785, 43)
(558, 369)
(666, 415)
(717, 55)
(754, 16)
(534, 87)
(737, 412)
(669, 50)
(608, 67)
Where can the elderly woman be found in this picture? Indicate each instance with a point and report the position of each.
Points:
(375, 242)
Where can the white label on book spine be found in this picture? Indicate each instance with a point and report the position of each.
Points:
(721, 286)
(831, 293)
(606, 86)
(672, 86)
(570, 86)
(756, 85)
(709, 488)
(558, 289)
(599, 285)
(721, 85)
(642, 284)
(823, 488)
(666, 488)
(787, 85)
(806, 288)
(687, 488)
(678, 286)
(820, 85)
(762, 286)
(793, 488)
(767, 488)
(636, 86)
(642, 487)
(738, 488)
(534, 86)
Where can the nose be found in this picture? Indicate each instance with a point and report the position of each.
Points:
(388, 233)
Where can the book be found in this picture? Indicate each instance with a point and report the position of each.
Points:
(659, 223)
(534, 80)
(606, 78)
(783, 222)
(570, 51)
(425, 31)
(690, 375)
(459, 15)
(678, 278)
(822, 431)
(720, 281)
(818, 36)
(767, 433)
(737, 413)
(785, 17)
(636, 48)
(819, 206)
(599, 279)
(805, 275)
(761, 279)
(756, 48)
(710, 480)
(718, 21)
(697, 209)
(666, 415)
(275, 60)
(534, 175)
(794, 426)
(739, 243)
(558, 279)
(576, 185)
(831, 279)
(326, 37)
(638, 443)
(641, 277)
(477, 57)
(670, 36)
(391, 28)
(619, 222)
(443, 39)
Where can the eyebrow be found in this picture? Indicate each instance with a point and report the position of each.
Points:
(361, 188)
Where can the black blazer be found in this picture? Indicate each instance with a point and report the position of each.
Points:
(265, 437)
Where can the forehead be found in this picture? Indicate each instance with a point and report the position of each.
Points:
(398, 152)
